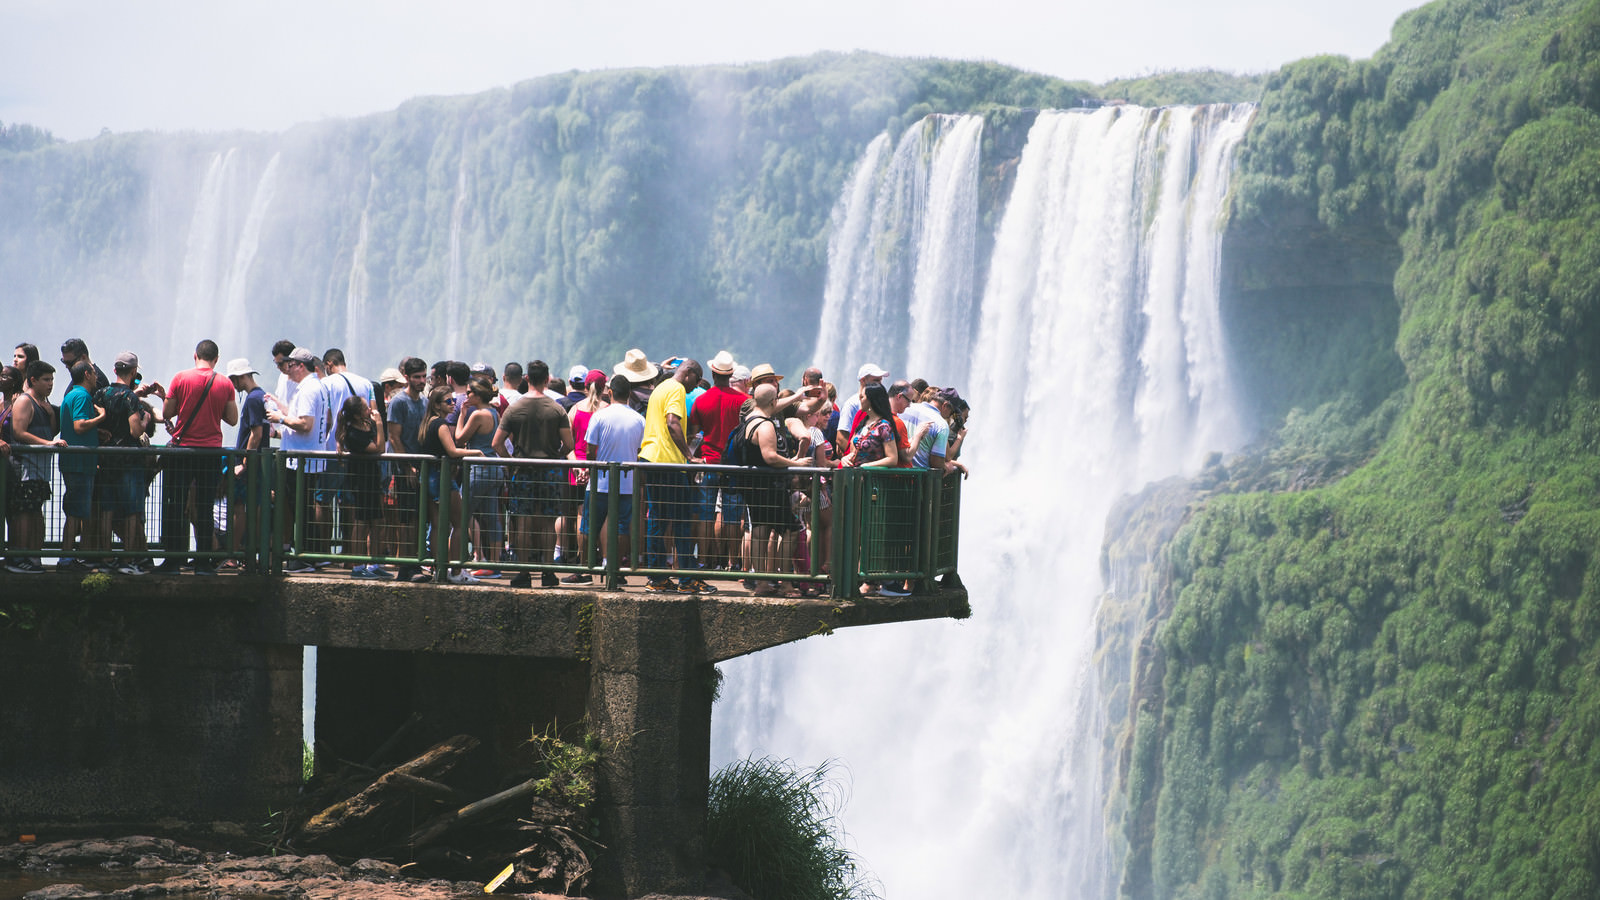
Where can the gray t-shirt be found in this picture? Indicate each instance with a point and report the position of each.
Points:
(407, 413)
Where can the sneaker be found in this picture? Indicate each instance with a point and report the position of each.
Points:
(130, 568)
(892, 590)
(578, 578)
(663, 586)
(68, 564)
(406, 572)
(380, 573)
(485, 573)
(362, 573)
(170, 567)
(463, 577)
(421, 576)
(24, 567)
(695, 586)
(522, 580)
(297, 567)
(549, 580)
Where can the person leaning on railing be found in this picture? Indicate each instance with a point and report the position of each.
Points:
(438, 439)
(767, 496)
(33, 426)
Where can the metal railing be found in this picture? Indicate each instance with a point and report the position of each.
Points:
(822, 531)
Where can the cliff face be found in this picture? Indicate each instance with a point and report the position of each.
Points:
(1380, 676)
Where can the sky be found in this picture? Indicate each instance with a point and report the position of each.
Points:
(78, 66)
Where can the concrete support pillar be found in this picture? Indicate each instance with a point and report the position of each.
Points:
(650, 705)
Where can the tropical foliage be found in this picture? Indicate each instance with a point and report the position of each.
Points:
(1389, 686)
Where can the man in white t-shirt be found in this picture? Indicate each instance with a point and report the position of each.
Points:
(850, 405)
(614, 435)
(305, 425)
(926, 429)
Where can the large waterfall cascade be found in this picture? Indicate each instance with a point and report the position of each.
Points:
(1095, 362)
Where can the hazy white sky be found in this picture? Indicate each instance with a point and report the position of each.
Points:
(76, 66)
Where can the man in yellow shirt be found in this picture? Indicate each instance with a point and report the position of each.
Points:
(668, 494)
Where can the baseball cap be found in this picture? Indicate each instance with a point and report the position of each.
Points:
(126, 361)
(391, 374)
(870, 371)
(305, 357)
(577, 374)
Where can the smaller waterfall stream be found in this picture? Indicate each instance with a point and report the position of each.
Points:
(905, 226)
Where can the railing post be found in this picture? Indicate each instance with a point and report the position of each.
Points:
(299, 511)
(845, 527)
(441, 523)
(259, 467)
(613, 535)
(929, 515)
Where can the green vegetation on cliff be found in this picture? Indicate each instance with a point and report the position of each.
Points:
(1390, 686)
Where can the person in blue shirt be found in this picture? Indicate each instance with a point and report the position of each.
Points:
(80, 420)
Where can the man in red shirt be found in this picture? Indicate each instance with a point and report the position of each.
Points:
(715, 415)
(198, 401)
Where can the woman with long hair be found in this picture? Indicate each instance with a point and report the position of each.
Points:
(876, 443)
(594, 400)
(438, 439)
(475, 430)
(24, 355)
(357, 434)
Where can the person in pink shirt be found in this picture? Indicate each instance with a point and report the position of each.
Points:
(198, 401)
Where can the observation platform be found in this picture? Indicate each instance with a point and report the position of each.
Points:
(178, 697)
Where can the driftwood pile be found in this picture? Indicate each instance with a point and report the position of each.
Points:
(409, 814)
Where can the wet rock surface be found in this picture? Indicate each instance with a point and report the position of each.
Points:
(160, 867)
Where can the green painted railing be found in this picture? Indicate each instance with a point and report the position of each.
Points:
(887, 525)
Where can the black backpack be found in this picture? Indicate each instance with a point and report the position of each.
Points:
(740, 450)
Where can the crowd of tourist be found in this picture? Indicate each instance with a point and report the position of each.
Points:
(357, 444)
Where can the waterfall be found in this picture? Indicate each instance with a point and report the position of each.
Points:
(1098, 365)
(356, 325)
(198, 280)
(452, 307)
(234, 327)
(905, 226)
(219, 252)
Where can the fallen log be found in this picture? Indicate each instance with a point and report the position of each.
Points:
(351, 813)
(442, 824)
(422, 787)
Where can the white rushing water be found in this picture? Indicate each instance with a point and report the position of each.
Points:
(905, 227)
(1098, 365)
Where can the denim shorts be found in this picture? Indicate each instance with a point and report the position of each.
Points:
(537, 490)
(77, 500)
(598, 502)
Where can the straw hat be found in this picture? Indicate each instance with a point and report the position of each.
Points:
(722, 363)
(764, 372)
(635, 367)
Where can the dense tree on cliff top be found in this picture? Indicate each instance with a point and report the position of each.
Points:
(1390, 687)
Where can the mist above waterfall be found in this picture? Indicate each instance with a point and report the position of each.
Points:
(1096, 364)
